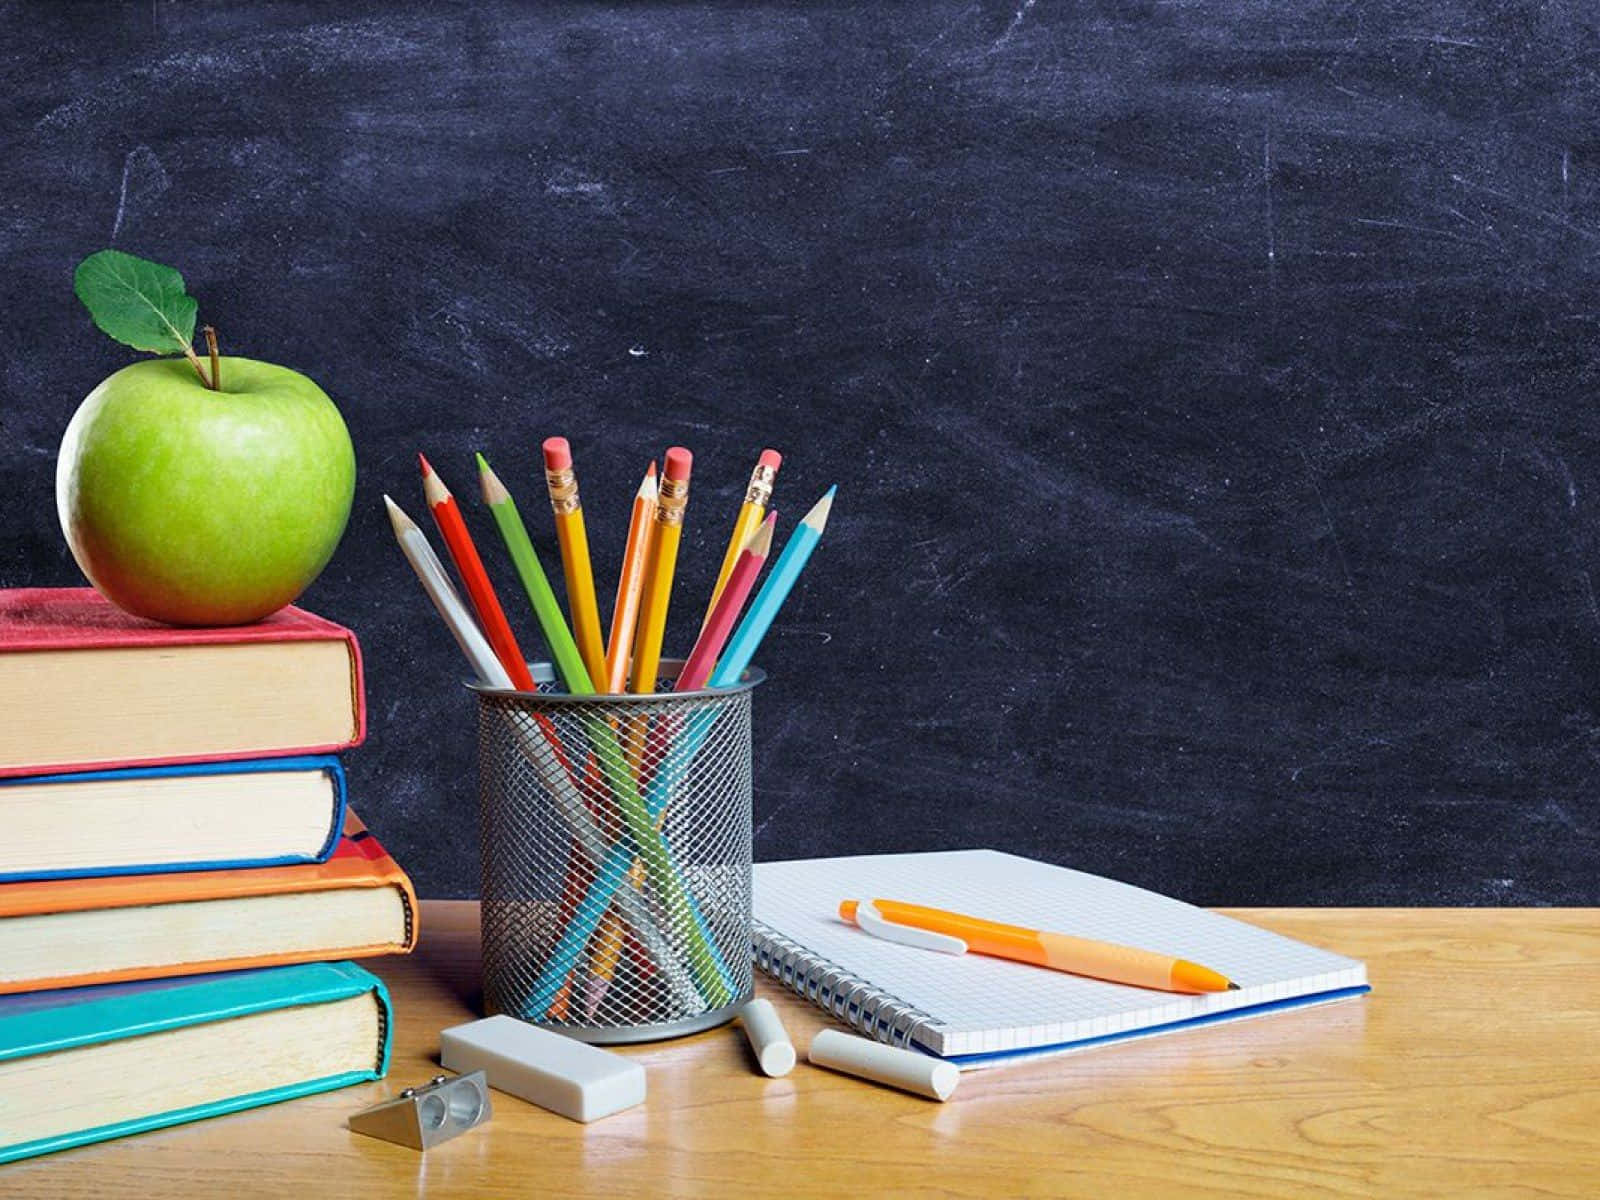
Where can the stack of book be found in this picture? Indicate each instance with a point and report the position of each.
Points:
(178, 866)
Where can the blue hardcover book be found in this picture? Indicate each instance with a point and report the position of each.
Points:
(191, 817)
(88, 1064)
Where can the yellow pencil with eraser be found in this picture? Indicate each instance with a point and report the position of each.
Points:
(757, 495)
(574, 540)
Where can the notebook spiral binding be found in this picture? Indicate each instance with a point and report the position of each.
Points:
(878, 1014)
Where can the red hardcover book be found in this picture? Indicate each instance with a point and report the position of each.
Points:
(84, 685)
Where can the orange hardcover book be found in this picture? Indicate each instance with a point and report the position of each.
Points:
(71, 932)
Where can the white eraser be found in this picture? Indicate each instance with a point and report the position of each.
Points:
(768, 1038)
(904, 1069)
(566, 1076)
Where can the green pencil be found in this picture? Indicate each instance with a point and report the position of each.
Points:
(515, 534)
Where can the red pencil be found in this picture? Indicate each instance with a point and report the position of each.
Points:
(447, 516)
(726, 610)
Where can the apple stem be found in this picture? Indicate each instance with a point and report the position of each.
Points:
(194, 361)
(216, 359)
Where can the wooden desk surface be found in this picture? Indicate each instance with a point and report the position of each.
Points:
(1472, 1069)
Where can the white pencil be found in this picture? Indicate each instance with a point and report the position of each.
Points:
(430, 571)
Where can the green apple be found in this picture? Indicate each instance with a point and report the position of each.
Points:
(202, 507)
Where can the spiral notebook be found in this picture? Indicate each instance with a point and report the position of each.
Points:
(978, 1011)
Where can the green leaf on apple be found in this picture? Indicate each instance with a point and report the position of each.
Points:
(139, 303)
(142, 304)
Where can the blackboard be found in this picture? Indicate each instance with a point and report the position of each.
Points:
(1211, 388)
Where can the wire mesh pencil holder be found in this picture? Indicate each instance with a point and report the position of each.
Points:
(615, 840)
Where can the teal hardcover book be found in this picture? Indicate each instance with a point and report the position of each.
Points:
(84, 1065)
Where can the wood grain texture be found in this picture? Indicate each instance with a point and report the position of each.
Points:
(1472, 1069)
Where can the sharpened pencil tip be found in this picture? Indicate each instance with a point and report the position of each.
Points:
(1232, 987)
(817, 518)
(759, 542)
(483, 463)
(397, 517)
(433, 488)
(494, 492)
(422, 461)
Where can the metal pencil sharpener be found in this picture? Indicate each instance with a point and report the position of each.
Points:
(423, 1117)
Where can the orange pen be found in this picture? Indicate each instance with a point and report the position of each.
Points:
(956, 933)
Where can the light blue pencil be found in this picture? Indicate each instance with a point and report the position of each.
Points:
(741, 647)
(746, 639)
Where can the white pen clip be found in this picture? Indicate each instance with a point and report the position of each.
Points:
(871, 921)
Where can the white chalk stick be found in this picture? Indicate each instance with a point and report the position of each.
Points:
(767, 1037)
(566, 1076)
(904, 1069)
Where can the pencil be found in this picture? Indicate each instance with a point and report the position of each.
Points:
(796, 553)
(756, 498)
(569, 663)
(662, 560)
(697, 669)
(683, 746)
(630, 583)
(574, 675)
(608, 941)
(436, 582)
(431, 573)
(447, 516)
(574, 539)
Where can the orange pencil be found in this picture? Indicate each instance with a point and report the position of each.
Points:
(630, 584)
(447, 516)
(663, 561)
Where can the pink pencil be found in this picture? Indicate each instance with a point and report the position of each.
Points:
(720, 623)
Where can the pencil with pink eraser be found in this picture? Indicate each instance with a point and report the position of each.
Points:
(757, 495)
(573, 539)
